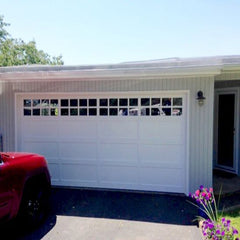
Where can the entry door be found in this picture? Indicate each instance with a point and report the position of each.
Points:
(226, 123)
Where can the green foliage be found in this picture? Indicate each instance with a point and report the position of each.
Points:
(17, 52)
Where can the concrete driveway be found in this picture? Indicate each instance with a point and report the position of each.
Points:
(90, 214)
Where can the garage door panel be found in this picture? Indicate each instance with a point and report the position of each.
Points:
(118, 129)
(47, 149)
(79, 173)
(118, 152)
(161, 132)
(162, 155)
(161, 177)
(35, 127)
(75, 128)
(118, 175)
(78, 150)
(54, 172)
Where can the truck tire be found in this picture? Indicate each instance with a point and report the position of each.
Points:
(34, 204)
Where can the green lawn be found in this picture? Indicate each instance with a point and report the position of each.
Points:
(234, 216)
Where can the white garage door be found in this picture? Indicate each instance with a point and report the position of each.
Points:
(123, 141)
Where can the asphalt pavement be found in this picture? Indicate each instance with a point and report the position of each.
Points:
(112, 215)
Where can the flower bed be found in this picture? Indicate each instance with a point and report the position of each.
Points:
(213, 225)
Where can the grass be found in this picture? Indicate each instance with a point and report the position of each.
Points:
(234, 216)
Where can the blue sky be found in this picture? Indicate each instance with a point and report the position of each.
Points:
(112, 31)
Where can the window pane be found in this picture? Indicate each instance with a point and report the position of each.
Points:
(145, 112)
(155, 101)
(177, 111)
(36, 112)
(83, 102)
(104, 102)
(177, 101)
(113, 112)
(92, 102)
(103, 111)
(73, 102)
(73, 111)
(45, 112)
(155, 111)
(166, 101)
(27, 102)
(54, 102)
(36, 102)
(133, 112)
(64, 103)
(145, 101)
(167, 111)
(113, 102)
(45, 103)
(83, 111)
(133, 102)
(123, 112)
(26, 112)
(92, 111)
(54, 111)
(64, 111)
(123, 102)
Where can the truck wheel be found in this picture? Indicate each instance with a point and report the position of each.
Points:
(34, 205)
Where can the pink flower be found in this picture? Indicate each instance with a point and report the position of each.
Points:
(197, 192)
(211, 190)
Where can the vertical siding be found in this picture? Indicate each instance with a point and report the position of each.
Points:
(200, 117)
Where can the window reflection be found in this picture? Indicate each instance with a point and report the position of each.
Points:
(103, 102)
(113, 102)
(73, 102)
(123, 102)
(103, 111)
(177, 112)
(54, 103)
(177, 101)
(113, 111)
(166, 101)
(123, 112)
(83, 102)
(64, 102)
(83, 111)
(155, 101)
(133, 112)
(36, 112)
(145, 101)
(36, 102)
(27, 102)
(145, 112)
(167, 111)
(133, 102)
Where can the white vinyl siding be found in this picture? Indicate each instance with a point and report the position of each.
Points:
(200, 118)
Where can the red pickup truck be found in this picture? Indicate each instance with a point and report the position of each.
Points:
(24, 187)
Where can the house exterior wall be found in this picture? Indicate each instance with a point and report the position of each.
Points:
(200, 117)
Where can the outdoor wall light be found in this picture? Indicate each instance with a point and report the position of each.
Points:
(200, 98)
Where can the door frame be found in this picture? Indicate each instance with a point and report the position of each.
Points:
(224, 91)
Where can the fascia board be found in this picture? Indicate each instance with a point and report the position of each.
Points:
(110, 74)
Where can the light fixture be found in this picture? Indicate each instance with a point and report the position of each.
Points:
(200, 98)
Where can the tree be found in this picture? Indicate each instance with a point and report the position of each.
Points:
(17, 52)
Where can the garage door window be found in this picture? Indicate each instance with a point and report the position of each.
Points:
(145, 106)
